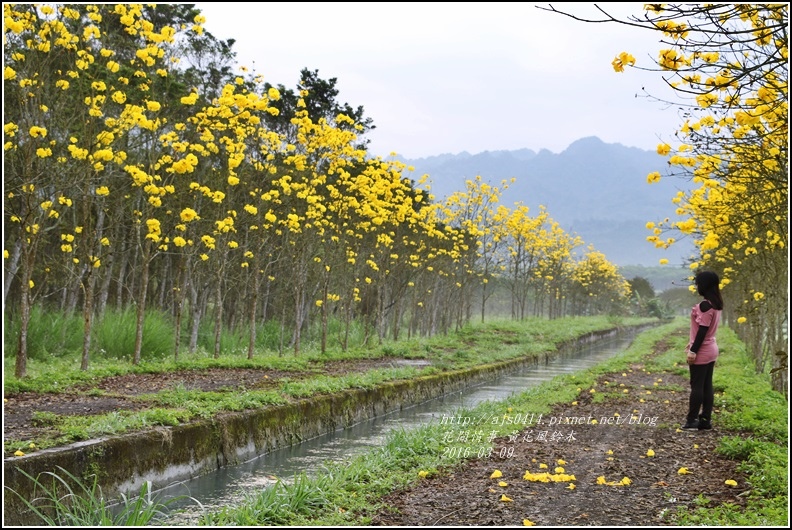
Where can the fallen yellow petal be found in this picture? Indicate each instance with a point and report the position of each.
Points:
(626, 481)
(561, 462)
(609, 452)
(559, 469)
(19, 453)
(423, 474)
(570, 487)
(528, 522)
(542, 466)
(503, 484)
(731, 482)
(504, 498)
(683, 471)
(496, 474)
(601, 479)
(650, 452)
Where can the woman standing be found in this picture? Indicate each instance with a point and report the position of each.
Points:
(702, 350)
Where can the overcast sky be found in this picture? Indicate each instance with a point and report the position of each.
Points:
(466, 76)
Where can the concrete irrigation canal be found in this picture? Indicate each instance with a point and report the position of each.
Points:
(215, 462)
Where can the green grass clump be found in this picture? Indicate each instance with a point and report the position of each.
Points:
(114, 335)
(50, 334)
(61, 499)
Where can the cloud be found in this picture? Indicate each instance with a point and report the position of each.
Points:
(438, 77)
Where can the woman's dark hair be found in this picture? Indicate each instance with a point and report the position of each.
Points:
(708, 286)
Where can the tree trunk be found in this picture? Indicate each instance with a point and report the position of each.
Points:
(298, 317)
(483, 298)
(196, 311)
(252, 315)
(347, 323)
(12, 266)
(88, 306)
(141, 306)
(324, 316)
(218, 315)
(20, 369)
(119, 296)
(104, 289)
(282, 329)
(178, 306)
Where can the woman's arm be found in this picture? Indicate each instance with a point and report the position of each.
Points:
(700, 334)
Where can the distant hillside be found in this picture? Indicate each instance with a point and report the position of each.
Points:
(593, 189)
(661, 278)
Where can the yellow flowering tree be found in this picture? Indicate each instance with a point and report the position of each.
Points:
(476, 213)
(524, 248)
(555, 268)
(63, 71)
(598, 286)
(143, 173)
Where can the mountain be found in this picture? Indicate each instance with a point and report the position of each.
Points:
(593, 189)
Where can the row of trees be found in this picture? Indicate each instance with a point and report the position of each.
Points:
(729, 65)
(141, 170)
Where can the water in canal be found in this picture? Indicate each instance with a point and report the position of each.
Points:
(226, 486)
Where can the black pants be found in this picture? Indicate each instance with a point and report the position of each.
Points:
(702, 396)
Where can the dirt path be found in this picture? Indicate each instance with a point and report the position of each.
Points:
(645, 417)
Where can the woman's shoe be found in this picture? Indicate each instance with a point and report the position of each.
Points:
(704, 424)
(691, 425)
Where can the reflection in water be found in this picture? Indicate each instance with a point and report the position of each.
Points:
(226, 486)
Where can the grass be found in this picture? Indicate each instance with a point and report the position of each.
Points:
(50, 373)
(347, 492)
(66, 500)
